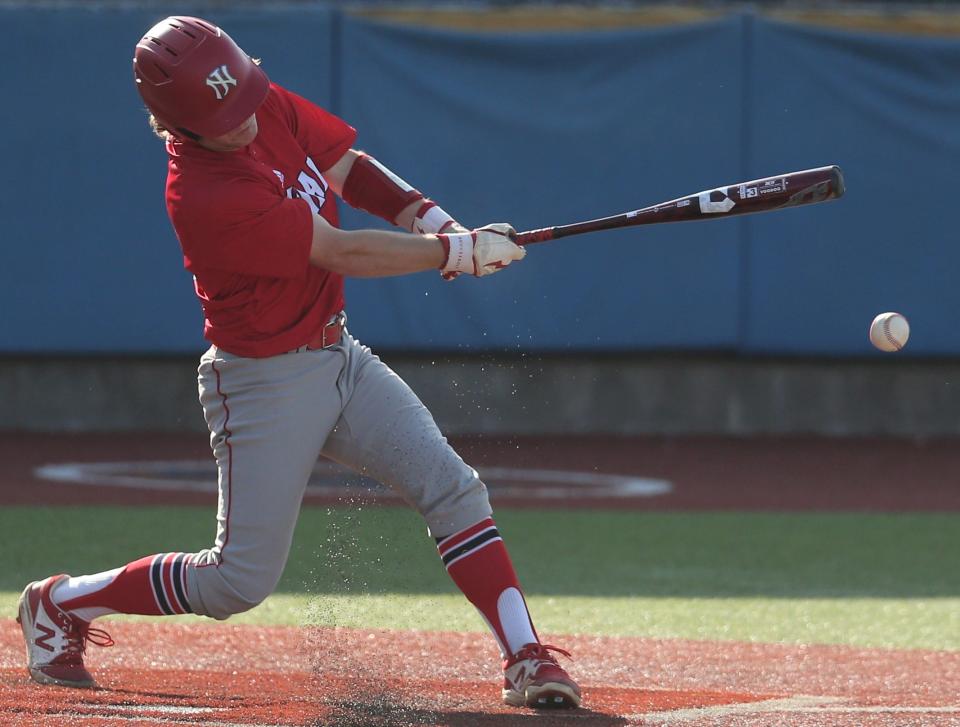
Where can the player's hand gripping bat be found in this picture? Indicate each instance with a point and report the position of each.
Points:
(761, 195)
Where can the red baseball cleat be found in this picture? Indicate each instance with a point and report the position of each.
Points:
(55, 640)
(533, 678)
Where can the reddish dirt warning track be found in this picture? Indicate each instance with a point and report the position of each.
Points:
(223, 676)
(707, 473)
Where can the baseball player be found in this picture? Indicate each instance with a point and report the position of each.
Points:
(253, 173)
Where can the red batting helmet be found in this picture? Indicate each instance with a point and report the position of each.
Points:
(195, 80)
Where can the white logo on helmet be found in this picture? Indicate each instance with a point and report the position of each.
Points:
(220, 80)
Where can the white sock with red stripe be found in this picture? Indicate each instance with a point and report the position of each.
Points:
(478, 562)
(154, 586)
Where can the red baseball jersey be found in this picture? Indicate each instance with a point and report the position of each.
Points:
(245, 223)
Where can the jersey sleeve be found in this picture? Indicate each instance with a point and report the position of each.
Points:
(245, 226)
(324, 136)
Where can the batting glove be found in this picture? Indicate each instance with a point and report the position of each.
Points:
(482, 251)
(454, 226)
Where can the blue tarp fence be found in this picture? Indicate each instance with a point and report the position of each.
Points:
(533, 129)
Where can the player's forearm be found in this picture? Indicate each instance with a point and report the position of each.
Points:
(375, 253)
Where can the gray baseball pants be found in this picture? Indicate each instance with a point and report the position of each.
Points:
(270, 419)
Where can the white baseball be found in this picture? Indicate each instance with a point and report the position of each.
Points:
(889, 331)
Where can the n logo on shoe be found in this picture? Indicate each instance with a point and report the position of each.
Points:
(520, 675)
(48, 633)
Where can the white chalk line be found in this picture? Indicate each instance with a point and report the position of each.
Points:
(801, 704)
(201, 476)
(161, 708)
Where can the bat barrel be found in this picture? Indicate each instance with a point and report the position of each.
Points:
(794, 189)
(811, 186)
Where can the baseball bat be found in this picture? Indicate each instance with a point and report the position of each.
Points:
(760, 195)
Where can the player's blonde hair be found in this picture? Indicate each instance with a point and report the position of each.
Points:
(158, 128)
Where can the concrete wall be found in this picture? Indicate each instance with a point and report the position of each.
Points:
(536, 394)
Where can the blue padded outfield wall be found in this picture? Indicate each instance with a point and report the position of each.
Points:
(534, 129)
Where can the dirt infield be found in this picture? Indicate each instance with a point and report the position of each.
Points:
(227, 676)
(239, 676)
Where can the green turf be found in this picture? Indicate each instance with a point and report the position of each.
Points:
(863, 579)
